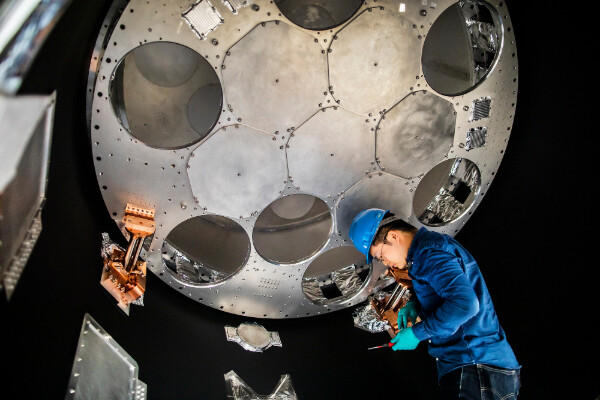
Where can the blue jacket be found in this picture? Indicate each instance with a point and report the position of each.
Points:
(458, 316)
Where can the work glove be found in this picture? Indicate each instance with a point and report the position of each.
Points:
(406, 312)
(405, 340)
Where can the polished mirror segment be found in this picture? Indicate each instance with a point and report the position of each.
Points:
(462, 47)
(292, 228)
(335, 275)
(166, 95)
(318, 14)
(206, 249)
(447, 192)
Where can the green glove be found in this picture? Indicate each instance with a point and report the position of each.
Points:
(406, 312)
(405, 340)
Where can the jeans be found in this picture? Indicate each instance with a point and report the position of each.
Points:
(480, 382)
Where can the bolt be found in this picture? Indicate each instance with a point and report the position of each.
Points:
(255, 7)
(423, 13)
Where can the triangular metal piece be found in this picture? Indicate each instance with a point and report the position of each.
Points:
(238, 389)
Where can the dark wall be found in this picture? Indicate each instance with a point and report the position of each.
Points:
(528, 235)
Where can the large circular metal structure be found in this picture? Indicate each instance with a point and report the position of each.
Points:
(258, 129)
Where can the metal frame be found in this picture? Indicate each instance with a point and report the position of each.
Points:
(130, 171)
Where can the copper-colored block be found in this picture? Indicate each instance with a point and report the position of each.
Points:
(124, 286)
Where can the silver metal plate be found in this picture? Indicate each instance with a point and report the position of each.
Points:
(378, 52)
(420, 128)
(27, 123)
(330, 152)
(237, 172)
(102, 370)
(275, 77)
(278, 77)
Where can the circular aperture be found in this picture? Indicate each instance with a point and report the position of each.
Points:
(335, 275)
(447, 192)
(284, 236)
(206, 249)
(166, 95)
(462, 47)
(318, 14)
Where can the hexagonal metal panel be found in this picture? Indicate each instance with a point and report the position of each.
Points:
(275, 77)
(237, 172)
(374, 61)
(332, 151)
(378, 190)
(415, 135)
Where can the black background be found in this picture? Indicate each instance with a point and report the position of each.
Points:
(533, 236)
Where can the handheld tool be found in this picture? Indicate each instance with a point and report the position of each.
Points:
(382, 346)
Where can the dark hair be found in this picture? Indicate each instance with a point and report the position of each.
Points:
(395, 225)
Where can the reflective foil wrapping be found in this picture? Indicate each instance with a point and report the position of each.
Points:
(259, 338)
(445, 206)
(484, 36)
(366, 318)
(312, 290)
(139, 301)
(476, 138)
(108, 246)
(347, 280)
(238, 389)
(190, 271)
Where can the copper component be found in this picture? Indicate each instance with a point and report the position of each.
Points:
(388, 307)
(124, 276)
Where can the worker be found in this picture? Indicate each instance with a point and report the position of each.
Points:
(457, 315)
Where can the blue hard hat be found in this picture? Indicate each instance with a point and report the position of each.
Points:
(363, 229)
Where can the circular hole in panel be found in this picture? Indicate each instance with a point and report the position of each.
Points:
(336, 275)
(446, 192)
(292, 229)
(206, 249)
(461, 47)
(166, 95)
(318, 14)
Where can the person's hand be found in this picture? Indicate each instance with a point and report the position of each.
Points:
(406, 312)
(405, 340)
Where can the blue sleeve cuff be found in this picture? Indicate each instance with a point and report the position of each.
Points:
(420, 332)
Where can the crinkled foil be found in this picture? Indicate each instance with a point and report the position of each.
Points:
(139, 301)
(445, 206)
(366, 318)
(312, 290)
(261, 340)
(108, 246)
(347, 280)
(237, 389)
(484, 36)
(190, 271)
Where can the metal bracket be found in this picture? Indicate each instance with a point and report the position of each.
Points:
(124, 276)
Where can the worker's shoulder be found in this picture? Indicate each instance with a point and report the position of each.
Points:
(431, 240)
(430, 243)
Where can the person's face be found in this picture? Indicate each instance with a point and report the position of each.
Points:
(392, 252)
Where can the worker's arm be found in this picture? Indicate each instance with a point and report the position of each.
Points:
(459, 302)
